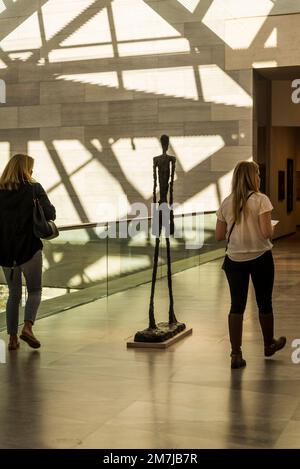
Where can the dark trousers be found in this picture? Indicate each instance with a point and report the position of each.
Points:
(262, 275)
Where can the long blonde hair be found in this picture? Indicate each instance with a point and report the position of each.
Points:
(244, 180)
(17, 171)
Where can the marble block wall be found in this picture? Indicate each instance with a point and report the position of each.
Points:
(92, 84)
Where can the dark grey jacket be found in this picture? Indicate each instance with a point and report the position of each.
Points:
(18, 244)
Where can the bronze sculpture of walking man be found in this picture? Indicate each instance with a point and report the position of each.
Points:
(163, 170)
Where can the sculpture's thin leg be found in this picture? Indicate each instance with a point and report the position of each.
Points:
(172, 317)
(152, 324)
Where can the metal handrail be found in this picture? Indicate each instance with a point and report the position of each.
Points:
(126, 220)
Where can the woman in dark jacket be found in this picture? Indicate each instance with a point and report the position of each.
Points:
(20, 249)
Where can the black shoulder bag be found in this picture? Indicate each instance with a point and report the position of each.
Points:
(231, 229)
(42, 228)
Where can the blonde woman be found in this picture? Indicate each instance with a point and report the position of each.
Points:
(21, 251)
(244, 219)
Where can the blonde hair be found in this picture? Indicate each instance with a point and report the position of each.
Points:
(17, 171)
(244, 180)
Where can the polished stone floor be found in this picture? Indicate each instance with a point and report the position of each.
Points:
(84, 389)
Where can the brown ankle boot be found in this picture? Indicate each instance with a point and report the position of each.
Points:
(235, 325)
(277, 344)
(267, 326)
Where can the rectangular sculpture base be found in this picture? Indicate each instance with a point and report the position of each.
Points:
(160, 345)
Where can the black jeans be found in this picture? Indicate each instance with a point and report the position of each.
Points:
(262, 275)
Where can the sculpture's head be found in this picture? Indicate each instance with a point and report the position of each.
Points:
(164, 140)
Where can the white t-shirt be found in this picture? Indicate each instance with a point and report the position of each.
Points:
(246, 240)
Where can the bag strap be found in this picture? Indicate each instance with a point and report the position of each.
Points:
(233, 224)
(34, 194)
